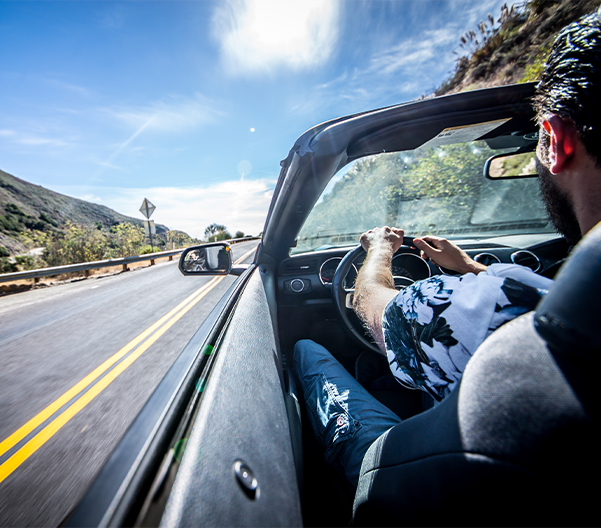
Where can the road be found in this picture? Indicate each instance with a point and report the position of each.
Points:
(78, 362)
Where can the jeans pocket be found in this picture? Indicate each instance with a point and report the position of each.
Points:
(329, 415)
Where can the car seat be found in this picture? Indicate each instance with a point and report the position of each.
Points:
(515, 442)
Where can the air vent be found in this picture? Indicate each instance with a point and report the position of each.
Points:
(300, 267)
(487, 259)
(526, 258)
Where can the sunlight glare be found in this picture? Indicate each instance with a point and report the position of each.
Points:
(258, 35)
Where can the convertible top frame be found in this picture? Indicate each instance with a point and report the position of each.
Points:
(323, 150)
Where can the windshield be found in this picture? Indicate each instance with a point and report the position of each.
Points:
(436, 190)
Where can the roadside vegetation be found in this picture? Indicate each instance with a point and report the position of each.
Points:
(75, 243)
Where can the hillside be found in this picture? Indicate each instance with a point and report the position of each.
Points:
(513, 47)
(25, 206)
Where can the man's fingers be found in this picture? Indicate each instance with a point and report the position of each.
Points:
(428, 249)
(435, 242)
(425, 245)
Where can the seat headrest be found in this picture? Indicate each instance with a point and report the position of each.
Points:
(569, 317)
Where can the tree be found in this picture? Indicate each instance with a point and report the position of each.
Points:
(179, 239)
(239, 234)
(216, 232)
(222, 235)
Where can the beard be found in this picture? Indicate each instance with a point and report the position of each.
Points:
(559, 208)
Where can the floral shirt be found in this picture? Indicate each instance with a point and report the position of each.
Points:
(432, 327)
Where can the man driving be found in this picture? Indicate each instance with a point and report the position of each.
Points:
(429, 330)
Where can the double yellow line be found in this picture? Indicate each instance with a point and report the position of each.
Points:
(141, 343)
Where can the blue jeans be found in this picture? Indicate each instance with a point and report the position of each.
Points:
(345, 417)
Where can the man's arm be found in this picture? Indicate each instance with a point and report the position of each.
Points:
(374, 287)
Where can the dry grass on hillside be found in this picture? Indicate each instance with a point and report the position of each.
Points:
(514, 49)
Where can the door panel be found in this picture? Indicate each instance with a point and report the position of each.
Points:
(241, 430)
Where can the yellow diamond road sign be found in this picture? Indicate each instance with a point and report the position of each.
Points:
(147, 208)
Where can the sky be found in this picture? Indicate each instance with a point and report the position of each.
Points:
(192, 104)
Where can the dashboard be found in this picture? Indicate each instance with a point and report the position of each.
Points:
(307, 278)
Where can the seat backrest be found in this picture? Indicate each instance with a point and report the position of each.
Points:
(515, 443)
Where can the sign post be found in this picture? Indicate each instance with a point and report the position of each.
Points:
(147, 209)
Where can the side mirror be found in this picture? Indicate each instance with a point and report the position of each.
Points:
(512, 165)
(208, 259)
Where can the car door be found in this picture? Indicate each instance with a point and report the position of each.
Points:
(238, 469)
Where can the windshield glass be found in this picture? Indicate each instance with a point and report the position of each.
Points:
(436, 190)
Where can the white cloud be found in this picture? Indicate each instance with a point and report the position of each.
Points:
(431, 48)
(398, 73)
(179, 114)
(239, 205)
(68, 87)
(257, 36)
(34, 140)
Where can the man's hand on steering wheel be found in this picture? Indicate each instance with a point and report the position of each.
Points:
(388, 236)
(446, 254)
(374, 287)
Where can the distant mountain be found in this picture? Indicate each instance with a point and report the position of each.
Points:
(25, 205)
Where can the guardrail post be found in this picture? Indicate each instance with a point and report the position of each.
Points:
(125, 268)
(152, 262)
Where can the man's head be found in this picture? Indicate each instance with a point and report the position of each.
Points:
(571, 82)
(569, 114)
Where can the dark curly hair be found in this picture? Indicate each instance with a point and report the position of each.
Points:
(570, 85)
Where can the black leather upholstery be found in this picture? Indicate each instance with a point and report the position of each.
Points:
(516, 442)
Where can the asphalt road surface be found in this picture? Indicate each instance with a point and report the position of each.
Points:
(66, 394)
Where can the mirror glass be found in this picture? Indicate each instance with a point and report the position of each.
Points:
(512, 166)
(213, 259)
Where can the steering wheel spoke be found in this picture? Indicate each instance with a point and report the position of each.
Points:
(349, 300)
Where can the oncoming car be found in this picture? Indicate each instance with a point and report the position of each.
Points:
(224, 440)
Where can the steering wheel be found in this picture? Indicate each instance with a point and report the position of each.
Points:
(342, 297)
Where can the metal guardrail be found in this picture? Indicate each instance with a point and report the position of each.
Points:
(87, 266)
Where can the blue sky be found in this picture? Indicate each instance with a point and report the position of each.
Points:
(192, 104)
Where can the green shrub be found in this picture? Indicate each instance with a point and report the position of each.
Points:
(25, 262)
(145, 250)
(9, 225)
(6, 266)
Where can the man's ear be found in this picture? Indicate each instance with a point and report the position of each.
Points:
(563, 140)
